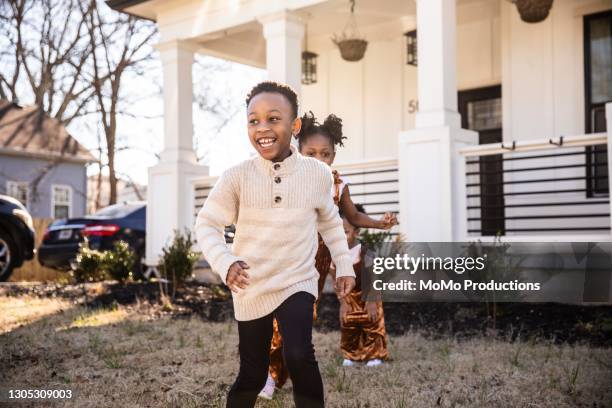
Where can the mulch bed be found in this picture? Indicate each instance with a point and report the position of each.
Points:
(514, 321)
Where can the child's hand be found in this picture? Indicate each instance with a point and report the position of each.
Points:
(372, 310)
(344, 285)
(387, 221)
(237, 277)
(345, 309)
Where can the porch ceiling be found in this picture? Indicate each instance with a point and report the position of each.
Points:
(229, 28)
(245, 42)
(327, 11)
(331, 16)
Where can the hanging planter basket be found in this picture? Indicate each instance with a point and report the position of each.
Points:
(350, 43)
(533, 11)
(352, 49)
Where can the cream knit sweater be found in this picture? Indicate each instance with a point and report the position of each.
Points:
(277, 209)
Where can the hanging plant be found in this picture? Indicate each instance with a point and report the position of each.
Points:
(352, 46)
(533, 11)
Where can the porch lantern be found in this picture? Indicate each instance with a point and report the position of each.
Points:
(533, 11)
(309, 63)
(411, 48)
(352, 46)
(309, 68)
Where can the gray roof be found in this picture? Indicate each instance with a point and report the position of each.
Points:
(29, 131)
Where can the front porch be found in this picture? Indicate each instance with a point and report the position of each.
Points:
(406, 149)
(541, 197)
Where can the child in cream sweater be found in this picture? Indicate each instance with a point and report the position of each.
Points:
(278, 201)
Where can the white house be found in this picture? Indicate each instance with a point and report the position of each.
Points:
(497, 127)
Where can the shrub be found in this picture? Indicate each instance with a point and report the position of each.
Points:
(119, 262)
(178, 259)
(374, 240)
(89, 264)
(95, 266)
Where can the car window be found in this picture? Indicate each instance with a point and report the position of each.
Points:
(119, 210)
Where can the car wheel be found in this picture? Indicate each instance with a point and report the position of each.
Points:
(8, 256)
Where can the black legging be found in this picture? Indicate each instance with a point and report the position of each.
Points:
(294, 318)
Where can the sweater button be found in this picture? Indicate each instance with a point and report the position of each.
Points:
(277, 180)
(276, 166)
(277, 199)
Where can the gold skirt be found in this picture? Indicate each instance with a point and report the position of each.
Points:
(360, 338)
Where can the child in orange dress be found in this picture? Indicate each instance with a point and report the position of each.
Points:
(363, 336)
(320, 141)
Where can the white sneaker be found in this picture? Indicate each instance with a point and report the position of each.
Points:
(374, 363)
(348, 363)
(268, 390)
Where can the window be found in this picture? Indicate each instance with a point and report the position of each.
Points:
(19, 190)
(61, 201)
(484, 114)
(598, 91)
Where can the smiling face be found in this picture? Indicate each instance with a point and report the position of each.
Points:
(271, 123)
(320, 147)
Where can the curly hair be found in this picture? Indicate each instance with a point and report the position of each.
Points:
(275, 87)
(331, 128)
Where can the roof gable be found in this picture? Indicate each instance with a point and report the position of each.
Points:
(30, 131)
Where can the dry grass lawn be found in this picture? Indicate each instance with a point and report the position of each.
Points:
(121, 358)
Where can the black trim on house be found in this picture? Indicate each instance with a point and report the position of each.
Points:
(490, 168)
(121, 5)
(597, 155)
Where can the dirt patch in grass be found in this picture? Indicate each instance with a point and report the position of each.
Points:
(559, 323)
(121, 356)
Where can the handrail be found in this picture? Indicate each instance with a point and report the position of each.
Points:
(355, 165)
(533, 145)
(366, 164)
(206, 180)
(362, 171)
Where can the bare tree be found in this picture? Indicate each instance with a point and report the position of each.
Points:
(45, 48)
(70, 58)
(120, 43)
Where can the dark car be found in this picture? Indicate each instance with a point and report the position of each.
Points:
(16, 236)
(118, 222)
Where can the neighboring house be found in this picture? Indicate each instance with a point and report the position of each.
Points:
(489, 125)
(126, 191)
(41, 164)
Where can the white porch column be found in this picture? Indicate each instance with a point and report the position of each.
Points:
(431, 171)
(284, 33)
(437, 69)
(169, 206)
